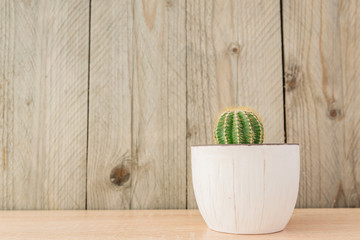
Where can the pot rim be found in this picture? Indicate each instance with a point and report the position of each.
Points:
(250, 145)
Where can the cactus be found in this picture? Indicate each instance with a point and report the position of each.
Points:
(238, 126)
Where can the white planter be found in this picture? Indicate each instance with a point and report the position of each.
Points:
(246, 189)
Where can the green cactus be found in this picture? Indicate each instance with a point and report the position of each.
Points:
(238, 126)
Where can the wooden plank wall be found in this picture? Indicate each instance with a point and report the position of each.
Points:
(322, 59)
(43, 102)
(100, 100)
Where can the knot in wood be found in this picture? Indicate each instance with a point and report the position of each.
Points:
(188, 134)
(234, 48)
(119, 175)
(293, 75)
(169, 3)
(334, 113)
(291, 81)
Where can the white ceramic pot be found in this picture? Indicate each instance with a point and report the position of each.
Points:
(246, 189)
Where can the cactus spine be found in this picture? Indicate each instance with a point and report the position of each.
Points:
(238, 126)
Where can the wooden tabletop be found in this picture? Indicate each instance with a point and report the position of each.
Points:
(166, 224)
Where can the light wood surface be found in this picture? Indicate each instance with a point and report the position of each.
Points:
(233, 58)
(43, 103)
(311, 224)
(137, 127)
(322, 58)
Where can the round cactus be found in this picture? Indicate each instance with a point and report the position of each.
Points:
(238, 126)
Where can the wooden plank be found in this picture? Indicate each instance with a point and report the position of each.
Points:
(233, 58)
(43, 102)
(322, 55)
(111, 70)
(159, 105)
(336, 224)
(137, 131)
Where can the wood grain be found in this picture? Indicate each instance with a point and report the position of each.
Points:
(322, 55)
(111, 71)
(137, 131)
(233, 58)
(43, 102)
(315, 224)
(160, 71)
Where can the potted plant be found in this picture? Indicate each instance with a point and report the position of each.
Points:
(241, 185)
